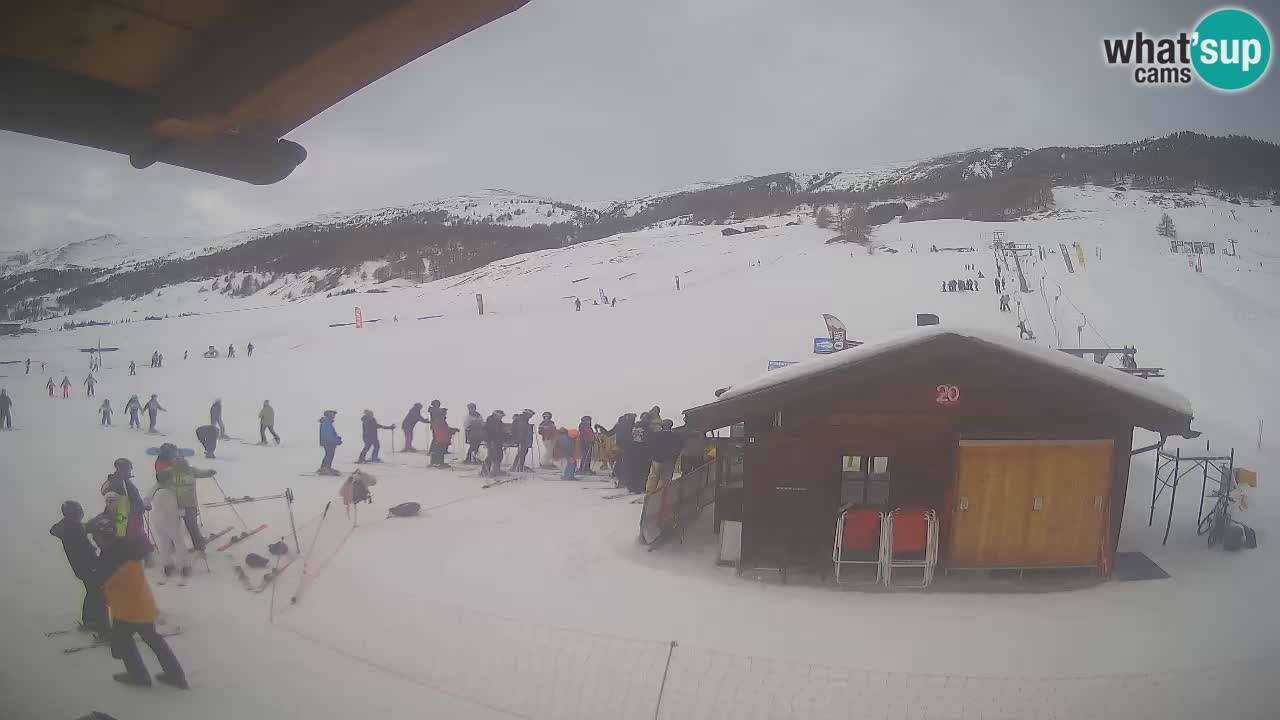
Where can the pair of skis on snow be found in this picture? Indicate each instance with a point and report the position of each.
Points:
(102, 640)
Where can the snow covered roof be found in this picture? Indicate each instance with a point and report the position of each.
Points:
(1168, 402)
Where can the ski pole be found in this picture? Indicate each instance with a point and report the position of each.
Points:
(244, 527)
(288, 500)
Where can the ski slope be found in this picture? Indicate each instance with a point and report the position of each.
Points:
(493, 602)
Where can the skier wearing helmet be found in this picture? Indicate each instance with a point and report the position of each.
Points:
(548, 431)
(473, 433)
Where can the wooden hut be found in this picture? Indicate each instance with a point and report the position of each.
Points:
(1023, 452)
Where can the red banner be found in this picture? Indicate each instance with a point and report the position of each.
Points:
(359, 317)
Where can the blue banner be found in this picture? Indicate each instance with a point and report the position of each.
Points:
(823, 345)
(775, 364)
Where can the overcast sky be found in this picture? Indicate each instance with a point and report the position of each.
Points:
(609, 99)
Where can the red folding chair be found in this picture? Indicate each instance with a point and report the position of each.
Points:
(860, 534)
(911, 541)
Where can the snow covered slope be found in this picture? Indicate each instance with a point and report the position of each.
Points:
(533, 600)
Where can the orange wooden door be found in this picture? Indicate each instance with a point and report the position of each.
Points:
(989, 524)
(1072, 482)
(1029, 504)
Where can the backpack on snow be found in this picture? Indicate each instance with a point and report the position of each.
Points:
(254, 560)
(408, 509)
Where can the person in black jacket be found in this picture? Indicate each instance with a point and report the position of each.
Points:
(522, 435)
(621, 433)
(410, 421)
(664, 447)
(83, 558)
(495, 434)
(370, 426)
(208, 437)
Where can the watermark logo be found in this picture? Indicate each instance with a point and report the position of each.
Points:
(1229, 50)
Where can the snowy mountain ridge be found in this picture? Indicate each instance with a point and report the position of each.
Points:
(448, 236)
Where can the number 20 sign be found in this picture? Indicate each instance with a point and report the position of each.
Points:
(947, 395)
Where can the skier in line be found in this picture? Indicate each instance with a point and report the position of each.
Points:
(66, 386)
(90, 382)
(50, 386)
(6, 410)
(494, 435)
(441, 436)
(547, 431)
(41, 367)
(166, 529)
(638, 458)
(231, 351)
(329, 440)
(82, 556)
(133, 407)
(411, 420)
(215, 418)
(208, 437)
(250, 349)
(370, 427)
(104, 410)
(577, 305)
(124, 503)
(173, 471)
(133, 610)
(160, 360)
(28, 366)
(586, 441)
(267, 423)
(565, 440)
(522, 434)
(473, 433)
(622, 434)
(153, 407)
(664, 448)
(1004, 303)
(133, 368)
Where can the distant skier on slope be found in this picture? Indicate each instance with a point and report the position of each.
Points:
(50, 386)
(267, 423)
(133, 368)
(369, 430)
(153, 407)
(104, 411)
(133, 407)
(329, 440)
(250, 350)
(495, 434)
(473, 434)
(90, 383)
(6, 410)
(28, 366)
(522, 435)
(66, 386)
(231, 351)
(410, 421)
(215, 418)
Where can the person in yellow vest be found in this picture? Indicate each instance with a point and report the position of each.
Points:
(133, 608)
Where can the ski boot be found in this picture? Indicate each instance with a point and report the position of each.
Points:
(171, 681)
(164, 577)
(185, 576)
(128, 679)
